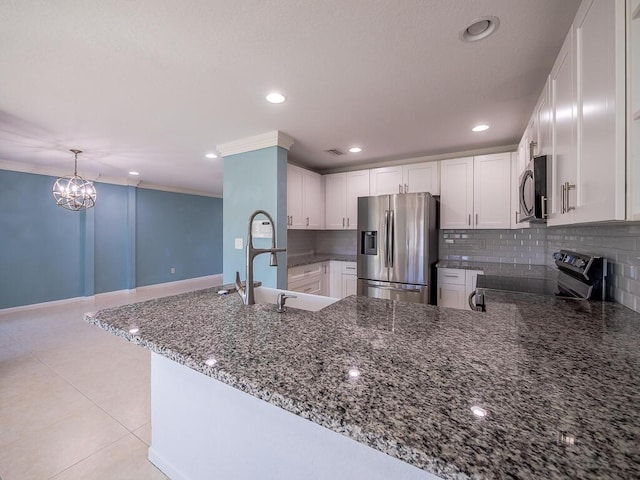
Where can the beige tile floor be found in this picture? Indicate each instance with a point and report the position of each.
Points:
(74, 399)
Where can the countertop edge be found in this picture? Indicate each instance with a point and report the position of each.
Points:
(308, 412)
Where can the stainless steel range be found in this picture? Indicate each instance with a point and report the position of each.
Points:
(579, 276)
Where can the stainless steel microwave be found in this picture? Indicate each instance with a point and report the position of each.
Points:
(532, 191)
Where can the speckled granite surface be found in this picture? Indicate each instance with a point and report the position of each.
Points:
(503, 269)
(297, 260)
(559, 379)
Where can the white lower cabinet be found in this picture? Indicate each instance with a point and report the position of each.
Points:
(312, 279)
(454, 287)
(331, 279)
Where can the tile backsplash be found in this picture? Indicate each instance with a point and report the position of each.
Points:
(343, 242)
(619, 244)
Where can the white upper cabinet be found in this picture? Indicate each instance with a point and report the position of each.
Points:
(476, 192)
(341, 193)
(492, 191)
(386, 180)
(456, 193)
(633, 108)
(588, 117)
(412, 178)
(305, 199)
(357, 186)
(563, 137)
(422, 177)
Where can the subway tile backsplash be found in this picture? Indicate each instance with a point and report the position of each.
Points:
(619, 244)
(302, 242)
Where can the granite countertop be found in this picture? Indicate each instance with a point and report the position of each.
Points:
(297, 260)
(502, 269)
(559, 379)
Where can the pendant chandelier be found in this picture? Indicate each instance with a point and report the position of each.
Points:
(74, 192)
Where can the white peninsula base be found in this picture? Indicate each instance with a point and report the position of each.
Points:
(205, 429)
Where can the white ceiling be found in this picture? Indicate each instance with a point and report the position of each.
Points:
(153, 85)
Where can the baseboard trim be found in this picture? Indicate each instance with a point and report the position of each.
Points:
(52, 303)
(196, 283)
(204, 282)
(164, 466)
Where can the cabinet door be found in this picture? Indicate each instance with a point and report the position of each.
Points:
(456, 193)
(453, 296)
(422, 177)
(563, 135)
(294, 197)
(335, 279)
(492, 191)
(349, 285)
(386, 180)
(335, 188)
(600, 49)
(313, 200)
(542, 114)
(357, 186)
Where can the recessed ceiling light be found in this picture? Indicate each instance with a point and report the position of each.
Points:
(480, 128)
(135, 174)
(355, 149)
(479, 411)
(480, 28)
(275, 97)
(211, 155)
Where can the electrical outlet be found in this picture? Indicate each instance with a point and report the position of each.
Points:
(173, 269)
(238, 243)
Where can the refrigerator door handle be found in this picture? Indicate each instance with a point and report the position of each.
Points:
(386, 238)
(384, 287)
(391, 235)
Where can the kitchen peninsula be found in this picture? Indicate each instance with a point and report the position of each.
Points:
(536, 387)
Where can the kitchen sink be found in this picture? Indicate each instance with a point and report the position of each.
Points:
(304, 301)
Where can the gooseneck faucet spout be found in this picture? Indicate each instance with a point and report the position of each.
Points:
(246, 292)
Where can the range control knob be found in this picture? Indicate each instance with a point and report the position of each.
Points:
(579, 263)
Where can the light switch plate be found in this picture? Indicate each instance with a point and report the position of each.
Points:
(238, 243)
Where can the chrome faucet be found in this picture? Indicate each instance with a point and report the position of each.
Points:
(246, 292)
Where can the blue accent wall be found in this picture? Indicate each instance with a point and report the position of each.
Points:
(255, 180)
(130, 238)
(39, 243)
(177, 230)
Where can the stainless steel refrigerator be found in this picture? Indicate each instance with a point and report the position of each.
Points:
(397, 247)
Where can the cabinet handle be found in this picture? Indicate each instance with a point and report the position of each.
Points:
(342, 222)
(307, 289)
(543, 206)
(406, 188)
(532, 145)
(476, 219)
(350, 268)
(469, 221)
(347, 222)
(562, 187)
(568, 188)
(399, 188)
(440, 293)
(307, 221)
(517, 213)
(450, 275)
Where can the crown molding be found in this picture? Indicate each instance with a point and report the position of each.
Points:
(96, 177)
(165, 188)
(392, 162)
(257, 142)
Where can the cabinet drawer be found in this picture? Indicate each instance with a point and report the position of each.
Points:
(305, 271)
(349, 268)
(312, 286)
(451, 276)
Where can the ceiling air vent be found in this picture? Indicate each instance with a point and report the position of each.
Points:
(334, 151)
